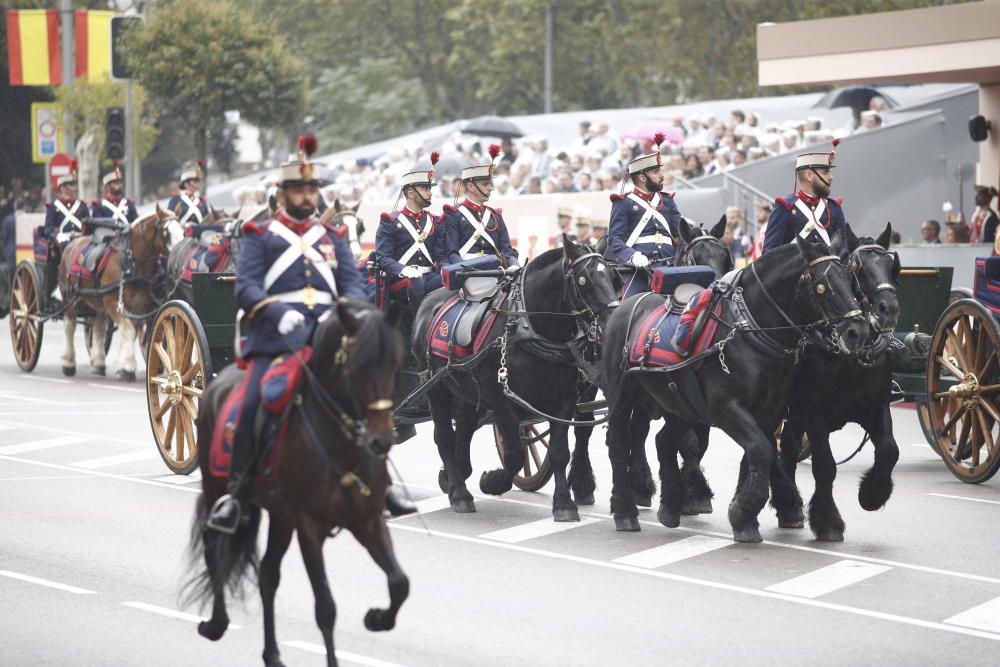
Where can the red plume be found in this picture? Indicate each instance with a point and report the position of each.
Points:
(114, 163)
(836, 142)
(658, 138)
(494, 150)
(435, 156)
(308, 144)
(200, 163)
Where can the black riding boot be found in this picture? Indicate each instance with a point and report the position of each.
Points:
(397, 504)
(228, 510)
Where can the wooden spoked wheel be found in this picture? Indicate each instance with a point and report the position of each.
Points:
(25, 326)
(536, 472)
(924, 417)
(177, 370)
(963, 390)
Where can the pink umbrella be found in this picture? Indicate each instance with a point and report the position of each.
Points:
(645, 131)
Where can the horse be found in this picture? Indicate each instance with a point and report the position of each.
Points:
(820, 405)
(341, 214)
(792, 296)
(330, 472)
(564, 293)
(696, 247)
(127, 285)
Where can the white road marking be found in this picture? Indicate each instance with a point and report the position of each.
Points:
(674, 552)
(6, 427)
(529, 531)
(180, 479)
(717, 585)
(45, 582)
(29, 399)
(83, 434)
(36, 445)
(975, 500)
(89, 413)
(114, 388)
(982, 617)
(127, 457)
(172, 613)
(341, 655)
(433, 504)
(98, 473)
(828, 579)
(41, 379)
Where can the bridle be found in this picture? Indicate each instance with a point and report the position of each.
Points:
(573, 282)
(855, 264)
(686, 256)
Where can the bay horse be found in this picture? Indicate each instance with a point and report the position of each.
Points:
(330, 472)
(793, 296)
(127, 288)
(831, 391)
(563, 293)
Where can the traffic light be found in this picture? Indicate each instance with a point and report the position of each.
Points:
(119, 26)
(114, 133)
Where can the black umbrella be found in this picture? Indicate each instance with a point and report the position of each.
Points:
(492, 126)
(856, 97)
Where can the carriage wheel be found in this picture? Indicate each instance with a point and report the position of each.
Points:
(177, 372)
(25, 327)
(924, 417)
(963, 390)
(537, 471)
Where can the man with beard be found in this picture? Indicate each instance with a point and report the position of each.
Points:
(114, 204)
(644, 222)
(190, 207)
(811, 203)
(65, 216)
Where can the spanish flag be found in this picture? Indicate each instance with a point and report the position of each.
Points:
(93, 44)
(33, 47)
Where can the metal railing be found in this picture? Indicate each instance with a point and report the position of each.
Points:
(745, 197)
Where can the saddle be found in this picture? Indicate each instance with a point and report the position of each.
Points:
(460, 327)
(674, 332)
(94, 256)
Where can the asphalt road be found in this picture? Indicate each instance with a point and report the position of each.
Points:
(93, 531)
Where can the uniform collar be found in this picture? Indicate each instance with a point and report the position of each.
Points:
(68, 202)
(297, 226)
(475, 208)
(413, 216)
(645, 196)
(113, 199)
(808, 199)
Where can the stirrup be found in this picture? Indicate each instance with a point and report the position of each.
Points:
(217, 506)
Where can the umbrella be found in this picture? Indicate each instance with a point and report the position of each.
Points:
(448, 165)
(645, 132)
(492, 126)
(856, 97)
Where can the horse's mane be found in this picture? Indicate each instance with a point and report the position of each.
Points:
(376, 345)
(547, 258)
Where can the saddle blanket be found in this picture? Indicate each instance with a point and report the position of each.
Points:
(986, 284)
(277, 388)
(91, 260)
(444, 327)
(664, 338)
(200, 259)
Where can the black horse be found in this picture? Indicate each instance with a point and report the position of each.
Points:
(696, 247)
(831, 391)
(566, 291)
(794, 295)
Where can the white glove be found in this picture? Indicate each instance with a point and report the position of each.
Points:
(290, 321)
(639, 261)
(410, 272)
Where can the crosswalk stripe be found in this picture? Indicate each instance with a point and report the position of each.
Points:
(45, 582)
(432, 504)
(982, 617)
(28, 399)
(341, 655)
(828, 579)
(36, 445)
(529, 531)
(127, 457)
(674, 552)
(180, 479)
(171, 613)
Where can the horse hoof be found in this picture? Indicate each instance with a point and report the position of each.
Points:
(790, 523)
(564, 514)
(100, 371)
(443, 480)
(69, 371)
(377, 621)
(212, 631)
(627, 524)
(125, 376)
(830, 535)
(668, 518)
(694, 506)
(791, 519)
(750, 534)
(273, 662)
(495, 483)
(584, 499)
(463, 506)
(644, 501)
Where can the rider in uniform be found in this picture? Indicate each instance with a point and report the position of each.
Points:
(473, 229)
(811, 203)
(65, 216)
(643, 222)
(407, 241)
(190, 207)
(283, 307)
(113, 204)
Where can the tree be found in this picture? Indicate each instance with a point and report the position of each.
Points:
(201, 58)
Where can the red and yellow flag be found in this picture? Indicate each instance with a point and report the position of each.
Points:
(33, 47)
(93, 44)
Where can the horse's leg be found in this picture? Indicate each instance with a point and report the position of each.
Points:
(672, 494)
(216, 626)
(623, 506)
(581, 473)
(466, 422)
(99, 333)
(501, 480)
(563, 507)
(824, 517)
(785, 497)
(752, 491)
(876, 483)
(640, 475)
(376, 539)
(279, 535)
(311, 536)
(126, 349)
(697, 493)
(444, 437)
(69, 351)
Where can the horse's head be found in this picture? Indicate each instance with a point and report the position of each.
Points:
(357, 357)
(705, 249)
(825, 297)
(590, 282)
(156, 234)
(875, 269)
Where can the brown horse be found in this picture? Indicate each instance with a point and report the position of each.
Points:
(122, 289)
(330, 472)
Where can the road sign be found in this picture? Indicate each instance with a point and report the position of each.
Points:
(46, 131)
(59, 165)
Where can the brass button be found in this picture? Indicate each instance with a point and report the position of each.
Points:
(308, 273)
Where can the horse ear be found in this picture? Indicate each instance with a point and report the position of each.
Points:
(394, 314)
(852, 240)
(806, 249)
(686, 232)
(356, 207)
(177, 210)
(336, 205)
(719, 230)
(351, 324)
(272, 203)
(885, 238)
(836, 243)
(159, 211)
(570, 247)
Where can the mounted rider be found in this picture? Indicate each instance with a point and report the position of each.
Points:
(473, 229)
(114, 204)
(66, 216)
(291, 270)
(644, 222)
(811, 203)
(188, 204)
(407, 242)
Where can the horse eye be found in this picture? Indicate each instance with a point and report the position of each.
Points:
(820, 288)
(582, 280)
